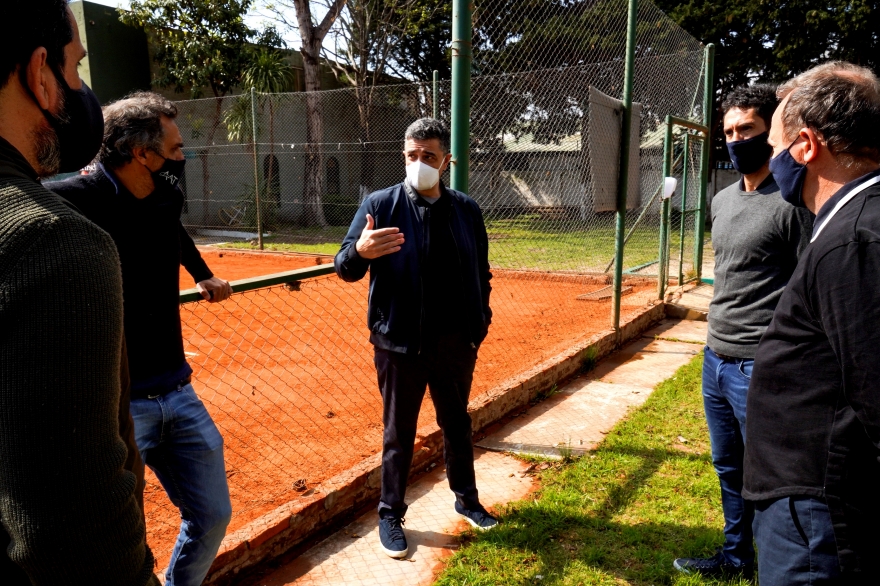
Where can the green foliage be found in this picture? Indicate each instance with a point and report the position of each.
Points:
(239, 120)
(268, 72)
(424, 45)
(543, 36)
(771, 41)
(201, 43)
(617, 516)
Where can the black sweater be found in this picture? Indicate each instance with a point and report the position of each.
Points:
(152, 245)
(814, 400)
(66, 504)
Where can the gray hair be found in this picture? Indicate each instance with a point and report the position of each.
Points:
(131, 123)
(841, 103)
(428, 128)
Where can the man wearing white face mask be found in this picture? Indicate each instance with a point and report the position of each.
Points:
(427, 252)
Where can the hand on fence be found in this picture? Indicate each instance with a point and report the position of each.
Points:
(214, 289)
(375, 243)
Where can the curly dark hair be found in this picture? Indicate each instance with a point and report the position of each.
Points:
(133, 122)
(30, 25)
(428, 128)
(760, 96)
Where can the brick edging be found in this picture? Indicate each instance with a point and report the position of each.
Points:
(292, 523)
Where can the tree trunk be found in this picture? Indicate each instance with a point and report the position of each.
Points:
(313, 177)
(204, 158)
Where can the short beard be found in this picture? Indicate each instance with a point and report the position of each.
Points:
(48, 151)
(47, 145)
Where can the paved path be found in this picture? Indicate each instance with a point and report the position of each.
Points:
(575, 418)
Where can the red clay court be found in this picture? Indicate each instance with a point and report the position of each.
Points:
(287, 371)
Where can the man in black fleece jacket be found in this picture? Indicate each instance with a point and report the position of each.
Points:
(812, 459)
(134, 196)
(68, 508)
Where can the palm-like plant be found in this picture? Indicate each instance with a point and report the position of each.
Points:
(270, 74)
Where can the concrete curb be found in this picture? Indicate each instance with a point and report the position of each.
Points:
(293, 523)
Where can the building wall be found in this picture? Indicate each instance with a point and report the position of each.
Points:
(118, 60)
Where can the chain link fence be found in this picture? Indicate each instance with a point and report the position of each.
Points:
(287, 371)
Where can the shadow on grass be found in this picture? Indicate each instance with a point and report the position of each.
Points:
(647, 495)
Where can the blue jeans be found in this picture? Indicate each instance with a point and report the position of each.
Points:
(725, 388)
(180, 443)
(796, 543)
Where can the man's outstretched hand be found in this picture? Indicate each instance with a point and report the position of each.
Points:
(214, 289)
(375, 243)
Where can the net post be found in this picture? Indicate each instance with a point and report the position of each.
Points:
(435, 94)
(256, 171)
(708, 94)
(623, 177)
(664, 213)
(462, 56)
(684, 193)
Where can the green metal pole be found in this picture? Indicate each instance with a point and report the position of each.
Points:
(708, 103)
(256, 172)
(684, 195)
(623, 177)
(664, 211)
(462, 56)
(435, 94)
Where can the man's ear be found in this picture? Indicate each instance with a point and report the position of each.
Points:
(139, 154)
(446, 161)
(37, 76)
(812, 144)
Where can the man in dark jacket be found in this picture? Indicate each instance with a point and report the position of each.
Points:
(68, 506)
(133, 195)
(812, 462)
(427, 252)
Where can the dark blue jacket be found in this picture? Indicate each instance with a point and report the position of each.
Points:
(396, 311)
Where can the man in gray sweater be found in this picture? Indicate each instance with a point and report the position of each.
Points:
(757, 238)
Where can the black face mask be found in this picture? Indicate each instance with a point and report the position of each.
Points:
(751, 154)
(169, 174)
(80, 129)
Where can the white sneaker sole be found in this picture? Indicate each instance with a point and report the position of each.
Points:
(474, 524)
(395, 554)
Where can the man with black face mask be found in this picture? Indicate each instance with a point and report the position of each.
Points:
(812, 462)
(757, 238)
(134, 195)
(68, 504)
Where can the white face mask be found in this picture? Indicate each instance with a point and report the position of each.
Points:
(422, 176)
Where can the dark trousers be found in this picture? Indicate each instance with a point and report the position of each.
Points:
(447, 367)
(796, 545)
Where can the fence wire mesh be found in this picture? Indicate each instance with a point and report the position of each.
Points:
(287, 372)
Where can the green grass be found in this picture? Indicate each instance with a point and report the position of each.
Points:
(618, 516)
(311, 241)
(524, 242)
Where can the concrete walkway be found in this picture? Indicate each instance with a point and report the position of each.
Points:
(575, 418)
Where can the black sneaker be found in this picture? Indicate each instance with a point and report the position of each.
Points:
(392, 538)
(717, 566)
(478, 518)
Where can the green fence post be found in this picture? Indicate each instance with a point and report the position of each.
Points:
(435, 94)
(664, 213)
(708, 103)
(462, 55)
(256, 172)
(684, 194)
(623, 177)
